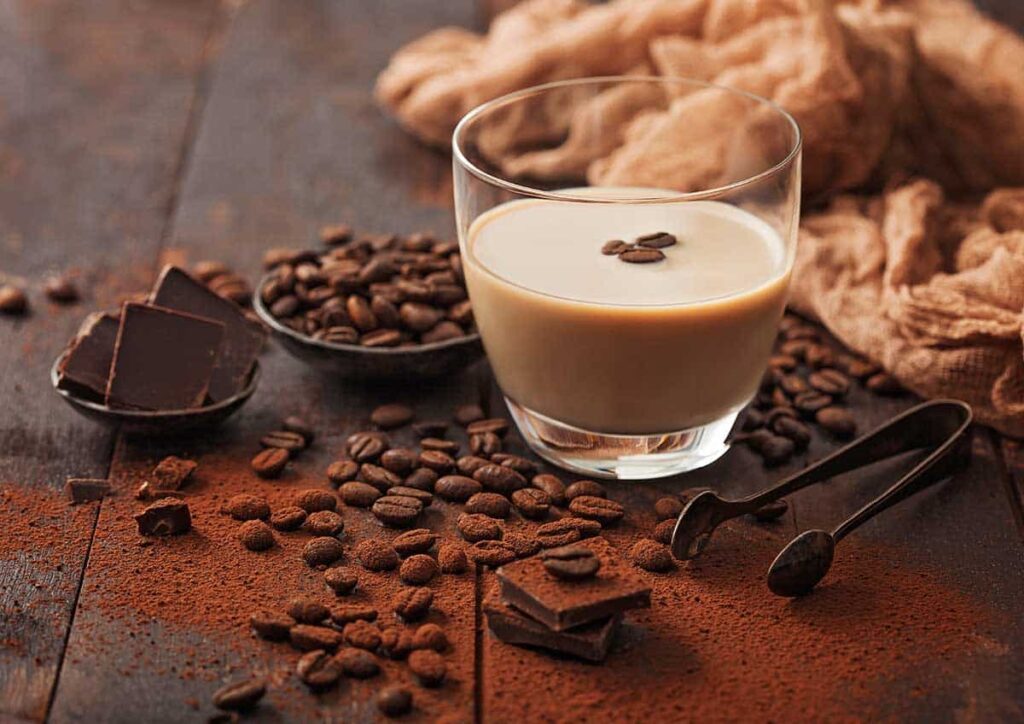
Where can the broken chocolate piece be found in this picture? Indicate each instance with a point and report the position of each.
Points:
(167, 516)
(172, 472)
(561, 605)
(163, 359)
(85, 368)
(84, 490)
(243, 338)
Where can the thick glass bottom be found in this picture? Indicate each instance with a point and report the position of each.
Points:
(623, 457)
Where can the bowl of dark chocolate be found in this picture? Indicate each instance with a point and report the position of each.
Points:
(155, 423)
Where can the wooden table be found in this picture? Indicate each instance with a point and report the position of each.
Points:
(136, 132)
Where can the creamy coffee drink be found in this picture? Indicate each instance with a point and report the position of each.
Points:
(592, 341)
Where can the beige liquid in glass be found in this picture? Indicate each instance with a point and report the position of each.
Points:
(611, 347)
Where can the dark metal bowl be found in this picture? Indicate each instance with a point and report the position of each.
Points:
(164, 423)
(354, 362)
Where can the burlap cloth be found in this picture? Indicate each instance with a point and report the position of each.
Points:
(884, 90)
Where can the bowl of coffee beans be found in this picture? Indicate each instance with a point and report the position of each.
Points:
(371, 307)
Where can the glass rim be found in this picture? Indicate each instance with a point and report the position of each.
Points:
(531, 191)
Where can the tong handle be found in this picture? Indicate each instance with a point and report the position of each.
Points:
(930, 424)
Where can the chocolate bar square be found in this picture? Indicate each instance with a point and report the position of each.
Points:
(85, 369)
(163, 359)
(243, 338)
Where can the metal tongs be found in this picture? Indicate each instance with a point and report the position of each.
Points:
(941, 426)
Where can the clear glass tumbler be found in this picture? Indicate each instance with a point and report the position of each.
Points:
(627, 244)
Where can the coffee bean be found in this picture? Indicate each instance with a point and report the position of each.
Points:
(389, 417)
(299, 426)
(485, 444)
(468, 414)
(469, 464)
(269, 463)
(792, 384)
(657, 240)
(362, 635)
(882, 383)
(256, 535)
(442, 332)
(359, 495)
(361, 314)
(378, 269)
(271, 625)
(417, 570)
(495, 425)
(451, 558)
(342, 471)
(524, 545)
(379, 477)
(752, 419)
(771, 511)
(13, 301)
(421, 479)
(304, 637)
(600, 509)
(322, 551)
(366, 446)
(423, 496)
(802, 331)
(240, 695)
(293, 442)
(776, 412)
(345, 613)
(831, 382)
(415, 541)
(499, 479)
(318, 670)
(857, 367)
(325, 522)
(394, 701)
(776, 450)
(428, 666)
(490, 504)
(381, 338)
(523, 466)
(476, 527)
(795, 348)
(456, 488)
(668, 508)
(396, 643)
(585, 487)
(338, 334)
(419, 317)
(492, 553)
(285, 306)
(552, 485)
(437, 461)
(288, 518)
(430, 636)
(663, 531)
(571, 563)
(396, 510)
(796, 431)
(783, 362)
(818, 355)
(307, 610)
(313, 499)
(446, 446)
(808, 403)
(341, 580)
(375, 554)
(837, 421)
(641, 255)
(60, 289)
(358, 664)
(399, 460)
(412, 604)
(246, 507)
(651, 556)
(613, 247)
(532, 503)
(558, 533)
(430, 428)
(335, 234)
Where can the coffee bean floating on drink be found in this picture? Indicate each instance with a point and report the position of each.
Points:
(645, 249)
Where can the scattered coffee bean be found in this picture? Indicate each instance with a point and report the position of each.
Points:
(796, 431)
(771, 511)
(436, 460)
(882, 383)
(366, 446)
(289, 518)
(362, 635)
(375, 554)
(60, 289)
(358, 664)
(641, 255)
(256, 535)
(490, 504)
(247, 507)
(552, 485)
(412, 604)
(430, 636)
(571, 563)
(783, 362)
(322, 551)
(417, 570)
(446, 446)
(378, 477)
(532, 503)
(524, 545)
(298, 425)
(293, 442)
(341, 580)
(307, 610)
(399, 460)
(585, 487)
(469, 464)
(451, 558)
(830, 382)
(476, 527)
(428, 666)
(776, 450)
(271, 625)
(602, 510)
(776, 412)
(856, 367)
(388, 417)
(240, 695)
(493, 553)
(312, 500)
(325, 522)
(495, 425)
(457, 488)
(430, 428)
(345, 613)
(394, 701)
(415, 541)
(485, 444)
(837, 421)
(656, 240)
(668, 508)
(468, 414)
(397, 511)
(558, 533)
(526, 468)
(423, 496)
(421, 479)
(166, 516)
(651, 556)
(342, 471)
(396, 643)
(13, 301)
(613, 247)
(359, 495)
(808, 403)
(270, 463)
(318, 670)
(499, 479)
(305, 637)
(663, 531)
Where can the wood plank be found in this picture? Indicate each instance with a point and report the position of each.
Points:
(93, 113)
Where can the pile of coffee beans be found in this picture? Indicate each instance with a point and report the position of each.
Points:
(370, 290)
(645, 249)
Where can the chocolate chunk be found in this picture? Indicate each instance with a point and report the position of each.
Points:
(243, 338)
(172, 473)
(167, 516)
(163, 359)
(240, 695)
(85, 368)
(84, 490)
(561, 605)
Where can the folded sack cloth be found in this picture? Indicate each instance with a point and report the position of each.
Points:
(932, 290)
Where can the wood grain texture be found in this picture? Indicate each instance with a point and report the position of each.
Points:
(94, 102)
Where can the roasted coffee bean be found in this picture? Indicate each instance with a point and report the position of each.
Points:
(341, 580)
(639, 255)
(318, 670)
(389, 417)
(396, 643)
(451, 558)
(495, 425)
(771, 511)
(381, 338)
(285, 440)
(428, 666)
(345, 613)
(430, 636)
(361, 314)
(379, 477)
(882, 383)
(394, 701)
(776, 450)
(571, 563)
(335, 234)
(366, 446)
(419, 317)
(307, 610)
(269, 463)
(322, 551)
(375, 271)
(524, 545)
(446, 446)
(857, 367)
(412, 604)
(417, 570)
(456, 488)
(493, 553)
(831, 382)
(422, 496)
(421, 479)
(13, 301)
(399, 460)
(462, 313)
(796, 431)
(476, 527)
(656, 240)
(300, 427)
(338, 334)
(585, 487)
(808, 403)
(801, 331)
(256, 535)
(752, 419)
(552, 485)
(396, 510)
(795, 348)
(358, 664)
(792, 385)
(430, 428)
(415, 541)
(469, 464)
(240, 695)
(783, 362)
(442, 332)
(342, 471)
(499, 479)
(467, 414)
(523, 466)
(362, 635)
(416, 292)
(485, 444)
(313, 499)
(375, 554)
(359, 495)
(532, 503)
(288, 518)
(651, 556)
(325, 522)
(245, 506)
(837, 421)
(558, 533)
(285, 306)
(602, 510)
(613, 247)
(436, 460)
(818, 355)
(776, 412)
(310, 638)
(663, 531)
(490, 504)
(271, 625)
(668, 508)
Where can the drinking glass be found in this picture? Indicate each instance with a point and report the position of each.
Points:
(609, 367)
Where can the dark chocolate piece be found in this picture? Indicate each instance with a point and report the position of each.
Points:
(589, 642)
(243, 338)
(561, 605)
(167, 516)
(163, 359)
(85, 369)
(84, 490)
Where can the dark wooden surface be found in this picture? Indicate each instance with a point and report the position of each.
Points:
(133, 133)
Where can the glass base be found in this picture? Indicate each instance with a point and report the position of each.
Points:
(623, 457)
